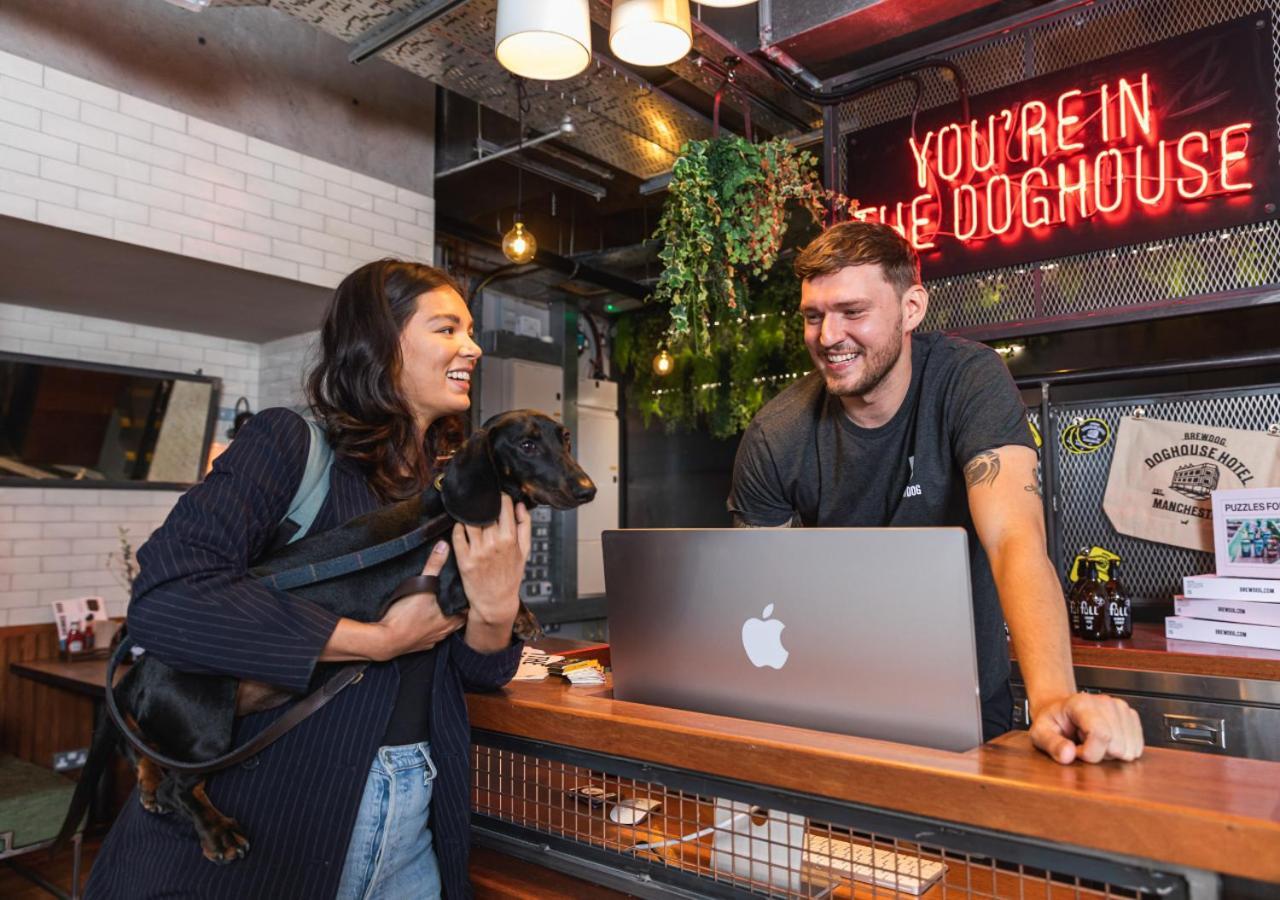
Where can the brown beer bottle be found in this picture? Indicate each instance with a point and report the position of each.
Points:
(1093, 606)
(1073, 595)
(1119, 606)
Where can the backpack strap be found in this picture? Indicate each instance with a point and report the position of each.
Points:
(314, 487)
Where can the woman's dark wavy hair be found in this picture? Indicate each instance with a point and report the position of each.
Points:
(353, 389)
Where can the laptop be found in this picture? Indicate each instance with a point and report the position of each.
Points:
(860, 631)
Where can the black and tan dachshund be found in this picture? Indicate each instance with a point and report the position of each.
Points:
(189, 717)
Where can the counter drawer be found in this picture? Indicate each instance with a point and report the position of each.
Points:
(1183, 723)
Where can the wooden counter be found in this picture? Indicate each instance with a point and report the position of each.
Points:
(1181, 809)
(1150, 651)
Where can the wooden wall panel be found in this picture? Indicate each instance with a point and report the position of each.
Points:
(36, 720)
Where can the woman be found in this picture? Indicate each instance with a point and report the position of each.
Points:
(369, 797)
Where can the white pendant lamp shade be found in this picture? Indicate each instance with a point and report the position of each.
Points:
(725, 3)
(650, 32)
(544, 40)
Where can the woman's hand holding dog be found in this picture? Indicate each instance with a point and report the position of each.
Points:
(410, 624)
(491, 562)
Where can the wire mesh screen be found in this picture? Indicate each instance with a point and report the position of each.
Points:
(1152, 572)
(1231, 259)
(735, 848)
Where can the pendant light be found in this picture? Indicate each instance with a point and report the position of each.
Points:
(546, 40)
(725, 4)
(650, 32)
(519, 245)
(663, 363)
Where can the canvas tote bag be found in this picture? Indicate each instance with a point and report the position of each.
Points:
(1163, 472)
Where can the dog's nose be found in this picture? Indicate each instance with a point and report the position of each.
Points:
(584, 490)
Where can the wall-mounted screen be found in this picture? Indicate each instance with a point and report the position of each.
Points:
(68, 423)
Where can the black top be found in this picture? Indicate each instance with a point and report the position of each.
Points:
(803, 459)
(197, 609)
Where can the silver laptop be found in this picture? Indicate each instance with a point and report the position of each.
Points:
(861, 631)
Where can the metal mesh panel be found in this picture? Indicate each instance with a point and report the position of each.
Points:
(1242, 257)
(718, 849)
(1152, 572)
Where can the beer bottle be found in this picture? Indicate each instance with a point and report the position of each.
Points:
(1093, 606)
(1119, 606)
(1073, 595)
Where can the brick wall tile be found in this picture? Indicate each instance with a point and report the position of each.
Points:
(151, 154)
(153, 113)
(78, 176)
(89, 91)
(271, 227)
(300, 180)
(14, 531)
(112, 207)
(394, 210)
(327, 171)
(229, 256)
(244, 240)
(198, 168)
(270, 265)
(242, 162)
(217, 134)
(115, 164)
(350, 196)
(373, 186)
(183, 184)
(414, 200)
(72, 129)
(19, 161)
(18, 207)
(293, 215)
(33, 95)
(73, 219)
(183, 143)
(325, 206)
(33, 141)
(347, 230)
(114, 121)
(321, 241)
(181, 224)
(103, 326)
(213, 213)
(297, 253)
(392, 243)
(241, 200)
(83, 338)
(69, 529)
(48, 348)
(145, 236)
(20, 114)
(319, 276)
(283, 193)
(34, 581)
(149, 195)
(42, 514)
(274, 154)
(41, 547)
(21, 68)
(414, 232)
(336, 262)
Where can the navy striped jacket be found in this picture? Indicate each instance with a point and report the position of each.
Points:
(195, 607)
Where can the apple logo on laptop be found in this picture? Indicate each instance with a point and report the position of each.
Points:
(762, 639)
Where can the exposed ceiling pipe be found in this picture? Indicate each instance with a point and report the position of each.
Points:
(566, 129)
(547, 260)
(397, 28)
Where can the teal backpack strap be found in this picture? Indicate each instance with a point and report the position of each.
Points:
(314, 487)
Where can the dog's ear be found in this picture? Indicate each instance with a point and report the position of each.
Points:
(470, 489)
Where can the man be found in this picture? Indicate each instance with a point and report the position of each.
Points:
(893, 429)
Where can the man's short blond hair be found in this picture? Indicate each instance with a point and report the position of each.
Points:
(860, 244)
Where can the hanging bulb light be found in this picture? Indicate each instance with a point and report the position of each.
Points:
(724, 4)
(519, 245)
(650, 32)
(663, 363)
(546, 40)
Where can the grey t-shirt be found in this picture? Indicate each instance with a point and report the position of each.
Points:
(803, 459)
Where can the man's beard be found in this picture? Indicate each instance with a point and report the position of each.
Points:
(875, 366)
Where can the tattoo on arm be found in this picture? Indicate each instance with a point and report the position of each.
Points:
(982, 469)
(1034, 489)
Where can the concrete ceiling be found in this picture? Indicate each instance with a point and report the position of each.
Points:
(52, 267)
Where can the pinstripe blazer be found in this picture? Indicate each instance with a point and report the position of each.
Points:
(195, 608)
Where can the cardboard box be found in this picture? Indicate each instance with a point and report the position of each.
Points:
(1246, 612)
(1246, 533)
(1214, 587)
(1237, 634)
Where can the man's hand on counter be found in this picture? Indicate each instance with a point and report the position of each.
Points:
(1089, 727)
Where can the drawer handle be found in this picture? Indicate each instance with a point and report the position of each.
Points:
(1196, 730)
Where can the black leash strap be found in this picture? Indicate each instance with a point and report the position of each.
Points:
(346, 676)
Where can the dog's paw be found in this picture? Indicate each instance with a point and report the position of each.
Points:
(152, 804)
(223, 843)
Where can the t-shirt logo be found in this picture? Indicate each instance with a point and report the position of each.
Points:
(911, 490)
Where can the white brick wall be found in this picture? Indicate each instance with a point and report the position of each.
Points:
(54, 542)
(85, 157)
(283, 366)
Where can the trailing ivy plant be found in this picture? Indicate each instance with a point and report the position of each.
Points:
(724, 219)
(744, 363)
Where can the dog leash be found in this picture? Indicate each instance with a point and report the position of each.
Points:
(292, 717)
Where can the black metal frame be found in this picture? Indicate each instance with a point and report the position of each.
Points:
(1130, 875)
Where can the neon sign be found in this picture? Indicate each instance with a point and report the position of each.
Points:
(1111, 153)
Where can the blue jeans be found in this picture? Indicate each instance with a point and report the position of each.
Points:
(390, 856)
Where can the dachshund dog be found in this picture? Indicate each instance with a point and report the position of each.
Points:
(189, 717)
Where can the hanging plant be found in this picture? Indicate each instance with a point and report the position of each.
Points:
(725, 218)
(746, 361)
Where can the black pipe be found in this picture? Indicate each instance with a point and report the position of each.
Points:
(547, 260)
(1150, 370)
